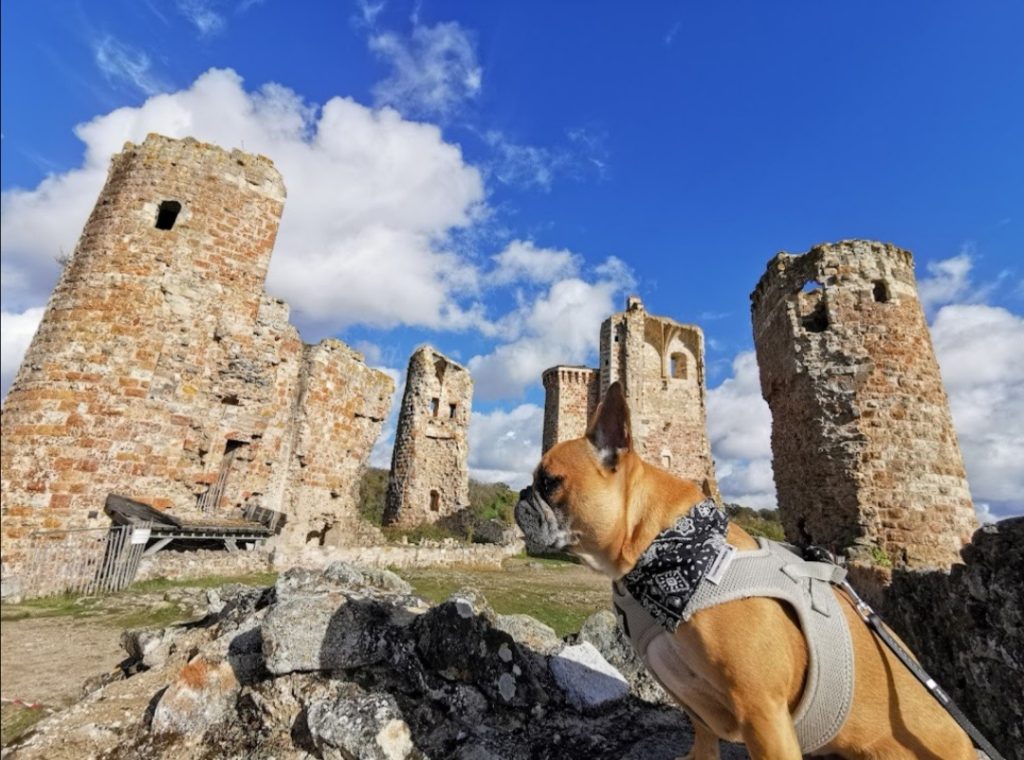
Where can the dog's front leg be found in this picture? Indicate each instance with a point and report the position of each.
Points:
(705, 743)
(769, 734)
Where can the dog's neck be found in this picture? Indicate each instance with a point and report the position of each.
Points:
(654, 500)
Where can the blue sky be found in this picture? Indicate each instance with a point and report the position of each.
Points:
(494, 179)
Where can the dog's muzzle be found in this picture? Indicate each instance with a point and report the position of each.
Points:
(539, 523)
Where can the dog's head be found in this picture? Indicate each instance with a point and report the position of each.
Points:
(577, 501)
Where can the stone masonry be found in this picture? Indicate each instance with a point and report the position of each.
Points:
(660, 363)
(429, 466)
(866, 460)
(162, 371)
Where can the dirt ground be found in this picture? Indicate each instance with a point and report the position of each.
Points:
(48, 659)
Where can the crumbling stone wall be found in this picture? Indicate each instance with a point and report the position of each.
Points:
(430, 463)
(162, 371)
(342, 405)
(967, 627)
(660, 363)
(570, 397)
(866, 460)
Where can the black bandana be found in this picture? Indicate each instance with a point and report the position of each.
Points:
(669, 571)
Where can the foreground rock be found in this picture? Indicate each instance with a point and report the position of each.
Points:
(348, 663)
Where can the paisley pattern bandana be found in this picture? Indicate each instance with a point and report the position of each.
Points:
(669, 571)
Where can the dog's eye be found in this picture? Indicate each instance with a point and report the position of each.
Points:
(547, 485)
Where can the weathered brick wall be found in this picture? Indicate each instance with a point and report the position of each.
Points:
(430, 463)
(161, 369)
(865, 456)
(570, 398)
(341, 409)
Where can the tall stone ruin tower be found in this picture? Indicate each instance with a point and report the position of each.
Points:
(866, 460)
(430, 463)
(660, 363)
(162, 370)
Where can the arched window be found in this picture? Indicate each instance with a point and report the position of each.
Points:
(677, 366)
(435, 501)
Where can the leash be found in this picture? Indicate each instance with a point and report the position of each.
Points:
(876, 624)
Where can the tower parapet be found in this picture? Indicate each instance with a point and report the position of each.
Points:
(866, 459)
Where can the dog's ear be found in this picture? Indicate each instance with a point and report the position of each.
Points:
(610, 431)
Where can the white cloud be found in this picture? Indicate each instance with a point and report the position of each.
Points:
(16, 331)
(505, 445)
(739, 428)
(522, 260)
(523, 166)
(949, 281)
(979, 352)
(201, 14)
(123, 64)
(372, 200)
(560, 326)
(433, 72)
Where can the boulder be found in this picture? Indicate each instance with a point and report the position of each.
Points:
(360, 725)
(602, 630)
(529, 632)
(199, 697)
(589, 682)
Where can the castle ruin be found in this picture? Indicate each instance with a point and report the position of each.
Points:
(866, 459)
(429, 466)
(660, 363)
(163, 371)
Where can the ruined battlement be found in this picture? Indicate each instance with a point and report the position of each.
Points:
(660, 363)
(430, 461)
(162, 370)
(866, 459)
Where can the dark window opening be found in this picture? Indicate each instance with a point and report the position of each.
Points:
(881, 291)
(435, 404)
(817, 320)
(435, 501)
(451, 411)
(230, 400)
(167, 215)
(678, 366)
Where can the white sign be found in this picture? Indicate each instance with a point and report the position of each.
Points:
(140, 535)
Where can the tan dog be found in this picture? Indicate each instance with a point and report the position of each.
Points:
(737, 669)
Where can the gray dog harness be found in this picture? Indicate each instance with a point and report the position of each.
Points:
(773, 571)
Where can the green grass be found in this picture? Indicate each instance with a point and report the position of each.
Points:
(757, 522)
(561, 594)
(17, 720)
(122, 609)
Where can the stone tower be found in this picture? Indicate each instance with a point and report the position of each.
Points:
(660, 363)
(571, 395)
(866, 460)
(162, 370)
(429, 466)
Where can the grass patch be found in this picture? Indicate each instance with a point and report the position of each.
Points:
(123, 609)
(18, 720)
(558, 593)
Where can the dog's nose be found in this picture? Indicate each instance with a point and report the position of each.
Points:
(526, 493)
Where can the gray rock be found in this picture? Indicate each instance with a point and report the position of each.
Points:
(360, 725)
(353, 576)
(199, 697)
(529, 632)
(149, 646)
(588, 680)
(329, 632)
(602, 631)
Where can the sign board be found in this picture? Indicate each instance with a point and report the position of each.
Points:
(140, 535)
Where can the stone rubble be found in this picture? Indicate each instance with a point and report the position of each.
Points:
(349, 663)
